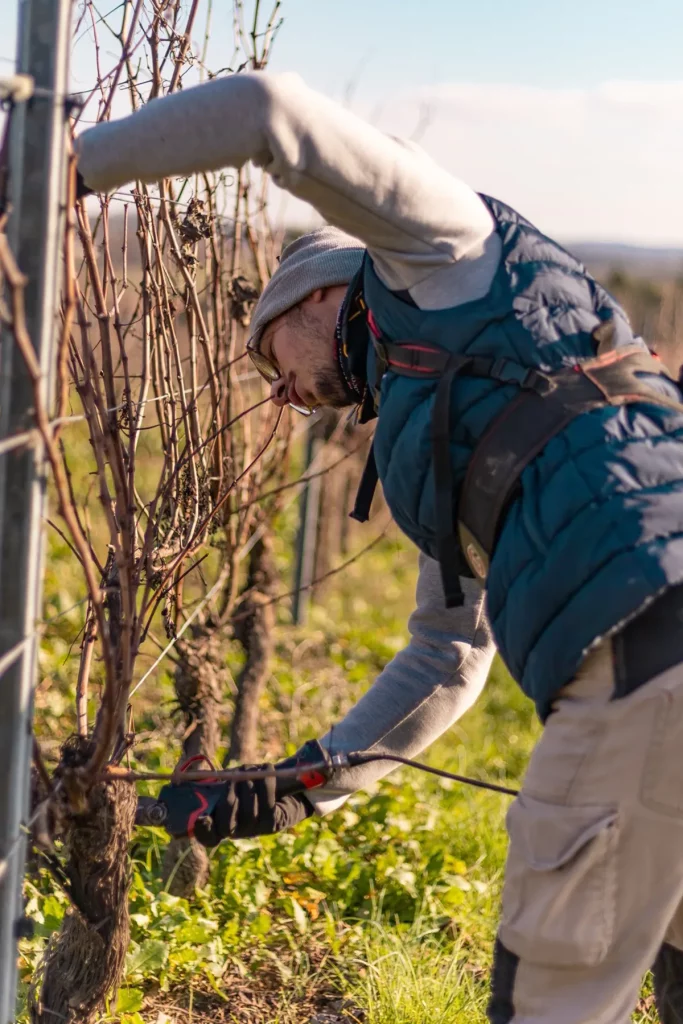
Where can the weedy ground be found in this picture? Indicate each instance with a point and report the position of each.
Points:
(383, 913)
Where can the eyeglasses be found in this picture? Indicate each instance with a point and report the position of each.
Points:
(270, 372)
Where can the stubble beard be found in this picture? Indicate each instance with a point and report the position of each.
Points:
(330, 389)
(329, 385)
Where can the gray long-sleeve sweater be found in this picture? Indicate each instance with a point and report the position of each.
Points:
(428, 233)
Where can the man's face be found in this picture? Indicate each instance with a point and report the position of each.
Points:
(301, 344)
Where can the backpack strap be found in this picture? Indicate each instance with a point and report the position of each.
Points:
(446, 541)
(417, 360)
(546, 403)
(525, 426)
(366, 489)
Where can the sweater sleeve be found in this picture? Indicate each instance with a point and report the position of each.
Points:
(421, 693)
(427, 231)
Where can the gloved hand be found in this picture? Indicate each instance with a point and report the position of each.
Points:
(212, 810)
(252, 808)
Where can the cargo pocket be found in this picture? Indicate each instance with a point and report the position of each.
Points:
(559, 896)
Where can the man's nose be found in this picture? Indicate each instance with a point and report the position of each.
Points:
(278, 392)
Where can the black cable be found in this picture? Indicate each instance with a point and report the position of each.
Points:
(296, 772)
(359, 758)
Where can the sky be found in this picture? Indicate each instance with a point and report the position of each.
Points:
(570, 110)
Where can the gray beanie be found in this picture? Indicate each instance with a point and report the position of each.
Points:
(320, 259)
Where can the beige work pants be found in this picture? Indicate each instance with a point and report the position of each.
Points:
(594, 876)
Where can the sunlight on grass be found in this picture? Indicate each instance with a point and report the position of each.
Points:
(412, 978)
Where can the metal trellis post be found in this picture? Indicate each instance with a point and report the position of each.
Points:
(36, 198)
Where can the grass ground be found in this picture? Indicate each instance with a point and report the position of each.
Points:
(383, 913)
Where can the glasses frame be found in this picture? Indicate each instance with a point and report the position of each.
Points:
(270, 372)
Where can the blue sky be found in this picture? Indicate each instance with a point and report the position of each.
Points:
(404, 43)
(570, 110)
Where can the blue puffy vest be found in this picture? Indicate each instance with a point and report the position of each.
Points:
(596, 532)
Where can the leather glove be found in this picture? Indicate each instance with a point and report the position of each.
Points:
(252, 808)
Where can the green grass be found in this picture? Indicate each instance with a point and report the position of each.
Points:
(414, 977)
(390, 904)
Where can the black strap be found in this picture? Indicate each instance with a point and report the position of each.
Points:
(546, 403)
(525, 426)
(413, 359)
(649, 644)
(512, 441)
(420, 361)
(446, 541)
(366, 489)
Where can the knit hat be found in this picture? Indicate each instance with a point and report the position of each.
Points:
(320, 259)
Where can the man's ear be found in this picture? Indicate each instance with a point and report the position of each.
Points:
(315, 297)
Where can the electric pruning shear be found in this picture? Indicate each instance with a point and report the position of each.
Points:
(180, 805)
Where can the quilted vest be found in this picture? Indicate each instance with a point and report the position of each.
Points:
(595, 530)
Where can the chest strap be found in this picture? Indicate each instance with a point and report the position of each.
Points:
(545, 404)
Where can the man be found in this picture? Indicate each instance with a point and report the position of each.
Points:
(526, 438)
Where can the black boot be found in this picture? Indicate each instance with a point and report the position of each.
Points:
(668, 976)
(501, 1009)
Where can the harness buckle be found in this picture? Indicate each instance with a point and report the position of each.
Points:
(382, 357)
(509, 372)
(541, 383)
(475, 554)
